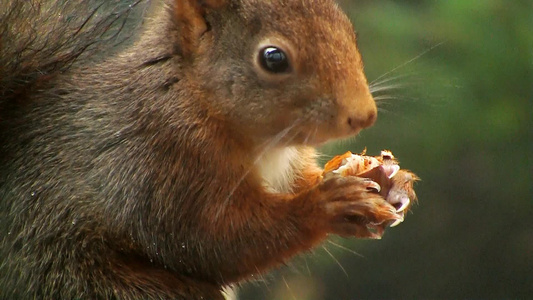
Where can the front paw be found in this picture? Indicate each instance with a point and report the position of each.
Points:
(401, 193)
(396, 187)
(385, 176)
(352, 208)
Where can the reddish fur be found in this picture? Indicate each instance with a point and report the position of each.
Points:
(137, 177)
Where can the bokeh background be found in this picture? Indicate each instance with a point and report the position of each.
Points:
(457, 110)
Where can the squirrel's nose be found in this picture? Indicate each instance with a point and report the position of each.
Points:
(356, 109)
(358, 122)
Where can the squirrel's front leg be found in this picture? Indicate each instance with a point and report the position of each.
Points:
(271, 228)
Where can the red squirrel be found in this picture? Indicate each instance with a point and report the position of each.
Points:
(182, 162)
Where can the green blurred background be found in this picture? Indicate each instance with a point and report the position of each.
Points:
(460, 116)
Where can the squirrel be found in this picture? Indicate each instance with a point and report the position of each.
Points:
(180, 160)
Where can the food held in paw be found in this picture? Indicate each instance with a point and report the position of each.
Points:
(383, 175)
(349, 164)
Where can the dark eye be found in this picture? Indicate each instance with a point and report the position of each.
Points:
(274, 60)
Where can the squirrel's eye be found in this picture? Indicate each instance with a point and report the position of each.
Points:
(274, 60)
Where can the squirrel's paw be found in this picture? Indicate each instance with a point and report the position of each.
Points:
(396, 187)
(401, 193)
(353, 209)
(382, 176)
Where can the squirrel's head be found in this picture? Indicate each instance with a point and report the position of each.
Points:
(281, 69)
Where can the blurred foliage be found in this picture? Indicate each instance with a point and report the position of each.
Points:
(460, 77)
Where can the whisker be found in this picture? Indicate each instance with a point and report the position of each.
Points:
(262, 278)
(272, 143)
(288, 288)
(376, 89)
(345, 248)
(290, 139)
(312, 133)
(389, 79)
(323, 156)
(383, 110)
(386, 97)
(307, 137)
(307, 267)
(338, 263)
(407, 62)
(382, 103)
(316, 130)
(396, 114)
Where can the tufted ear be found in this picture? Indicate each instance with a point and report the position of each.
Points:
(191, 24)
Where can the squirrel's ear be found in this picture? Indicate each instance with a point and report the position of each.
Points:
(190, 21)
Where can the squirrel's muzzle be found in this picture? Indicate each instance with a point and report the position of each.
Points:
(357, 112)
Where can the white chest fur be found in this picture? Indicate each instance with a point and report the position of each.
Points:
(279, 168)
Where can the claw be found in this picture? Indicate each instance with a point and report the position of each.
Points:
(404, 203)
(391, 170)
(399, 200)
(398, 221)
(370, 184)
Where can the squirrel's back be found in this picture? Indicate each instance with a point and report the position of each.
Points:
(40, 39)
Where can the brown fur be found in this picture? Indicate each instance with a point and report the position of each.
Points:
(135, 175)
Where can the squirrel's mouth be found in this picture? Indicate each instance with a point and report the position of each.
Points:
(311, 127)
(324, 135)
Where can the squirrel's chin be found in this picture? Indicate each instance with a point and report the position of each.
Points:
(328, 138)
(317, 141)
